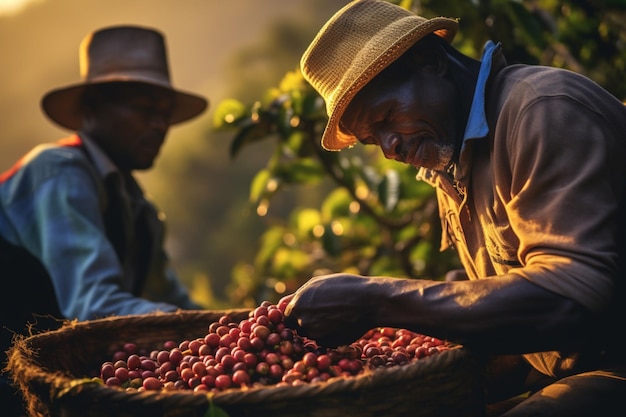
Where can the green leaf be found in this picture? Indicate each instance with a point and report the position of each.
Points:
(271, 240)
(292, 81)
(371, 176)
(336, 204)
(302, 171)
(259, 185)
(249, 132)
(287, 262)
(306, 220)
(78, 382)
(228, 111)
(407, 4)
(295, 142)
(214, 410)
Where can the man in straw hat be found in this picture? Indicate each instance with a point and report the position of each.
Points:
(78, 239)
(528, 164)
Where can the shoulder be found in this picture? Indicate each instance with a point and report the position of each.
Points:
(527, 84)
(47, 160)
(521, 93)
(53, 164)
(56, 153)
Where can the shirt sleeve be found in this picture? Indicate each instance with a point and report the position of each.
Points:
(58, 219)
(563, 199)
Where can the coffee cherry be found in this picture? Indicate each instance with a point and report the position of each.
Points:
(152, 383)
(259, 350)
(223, 381)
(241, 377)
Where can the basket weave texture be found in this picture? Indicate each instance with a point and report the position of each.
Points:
(52, 369)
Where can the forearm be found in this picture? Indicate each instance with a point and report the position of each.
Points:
(506, 314)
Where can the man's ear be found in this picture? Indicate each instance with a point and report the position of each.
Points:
(430, 56)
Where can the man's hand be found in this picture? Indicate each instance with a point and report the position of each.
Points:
(333, 309)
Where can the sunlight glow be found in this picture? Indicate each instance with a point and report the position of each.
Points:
(337, 228)
(12, 7)
(318, 231)
(354, 207)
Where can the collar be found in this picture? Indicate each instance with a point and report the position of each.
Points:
(107, 169)
(477, 121)
(104, 165)
(476, 126)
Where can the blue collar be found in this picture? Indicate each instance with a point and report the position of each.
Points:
(477, 122)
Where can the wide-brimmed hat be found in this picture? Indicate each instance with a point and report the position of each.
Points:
(355, 45)
(120, 54)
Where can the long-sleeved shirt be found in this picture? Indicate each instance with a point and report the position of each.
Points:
(538, 191)
(79, 240)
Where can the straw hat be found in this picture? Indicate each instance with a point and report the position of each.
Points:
(356, 44)
(119, 54)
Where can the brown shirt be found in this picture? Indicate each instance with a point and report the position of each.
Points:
(540, 195)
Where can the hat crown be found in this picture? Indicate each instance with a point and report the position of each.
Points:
(356, 44)
(124, 53)
(346, 44)
(120, 54)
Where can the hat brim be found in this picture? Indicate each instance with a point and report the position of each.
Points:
(62, 105)
(335, 140)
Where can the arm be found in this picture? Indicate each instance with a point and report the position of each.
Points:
(501, 315)
(58, 219)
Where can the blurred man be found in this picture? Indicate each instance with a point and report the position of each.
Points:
(78, 239)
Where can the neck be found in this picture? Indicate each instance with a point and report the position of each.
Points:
(463, 71)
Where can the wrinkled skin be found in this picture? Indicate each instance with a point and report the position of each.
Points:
(412, 120)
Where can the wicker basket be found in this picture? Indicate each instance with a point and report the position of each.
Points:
(53, 368)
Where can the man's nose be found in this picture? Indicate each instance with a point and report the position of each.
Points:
(390, 144)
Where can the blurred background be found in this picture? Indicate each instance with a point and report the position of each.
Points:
(216, 48)
(254, 206)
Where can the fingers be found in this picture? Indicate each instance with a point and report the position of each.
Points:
(286, 306)
(291, 319)
(284, 302)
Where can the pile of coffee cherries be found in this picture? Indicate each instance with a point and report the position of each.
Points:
(259, 351)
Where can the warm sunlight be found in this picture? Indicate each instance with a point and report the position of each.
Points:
(8, 7)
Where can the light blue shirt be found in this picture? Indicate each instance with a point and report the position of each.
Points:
(51, 204)
(477, 121)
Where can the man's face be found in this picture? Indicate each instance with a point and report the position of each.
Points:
(131, 124)
(412, 117)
